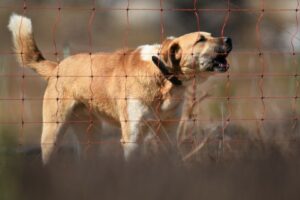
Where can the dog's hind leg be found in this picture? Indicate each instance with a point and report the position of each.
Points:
(55, 115)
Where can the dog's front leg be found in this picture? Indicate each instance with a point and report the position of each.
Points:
(133, 126)
(130, 142)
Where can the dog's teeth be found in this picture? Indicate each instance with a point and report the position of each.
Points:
(223, 65)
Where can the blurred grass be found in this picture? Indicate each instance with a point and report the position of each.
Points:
(10, 165)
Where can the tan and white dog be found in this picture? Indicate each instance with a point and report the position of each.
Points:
(131, 87)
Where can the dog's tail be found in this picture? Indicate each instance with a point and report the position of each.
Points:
(26, 49)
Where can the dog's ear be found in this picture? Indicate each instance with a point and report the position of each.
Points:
(175, 54)
(171, 53)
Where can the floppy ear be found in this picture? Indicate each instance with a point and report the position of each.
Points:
(175, 53)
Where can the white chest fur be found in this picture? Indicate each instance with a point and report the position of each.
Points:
(172, 102)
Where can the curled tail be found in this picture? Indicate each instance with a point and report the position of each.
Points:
(26, 49)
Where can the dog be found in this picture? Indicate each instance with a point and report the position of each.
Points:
(131, 88)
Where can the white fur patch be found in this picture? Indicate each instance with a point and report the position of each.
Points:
(136, 111)
(147, 51)
(171, 38)
(169, 104)
(19, 24)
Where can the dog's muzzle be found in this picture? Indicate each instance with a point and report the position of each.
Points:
(219, 63)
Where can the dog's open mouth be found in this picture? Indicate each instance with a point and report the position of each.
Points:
(219, 64)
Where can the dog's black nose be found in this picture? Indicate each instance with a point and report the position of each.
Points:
(228, 43)
(224, 45)
(227, 40)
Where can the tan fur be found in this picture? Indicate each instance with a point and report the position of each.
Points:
(107, 82)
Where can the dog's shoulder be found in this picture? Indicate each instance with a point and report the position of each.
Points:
(147, 51)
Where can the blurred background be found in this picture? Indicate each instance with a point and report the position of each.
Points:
(252, 108)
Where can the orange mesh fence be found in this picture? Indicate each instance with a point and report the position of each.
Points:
(259, 91)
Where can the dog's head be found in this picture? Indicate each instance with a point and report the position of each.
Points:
(196, 52)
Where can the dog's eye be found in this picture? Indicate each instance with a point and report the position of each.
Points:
(201, 39)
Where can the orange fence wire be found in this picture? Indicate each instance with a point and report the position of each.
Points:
(226, 120)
